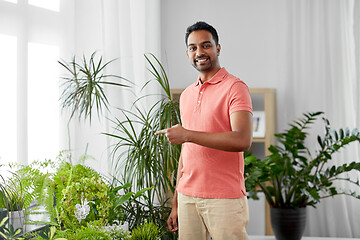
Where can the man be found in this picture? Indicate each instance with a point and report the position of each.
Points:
(216, 113)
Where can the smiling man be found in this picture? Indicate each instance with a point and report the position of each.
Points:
(216, 113)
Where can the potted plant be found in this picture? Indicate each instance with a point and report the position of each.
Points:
(83, 87)
(149, 160)
(13, 199)
(292, 177)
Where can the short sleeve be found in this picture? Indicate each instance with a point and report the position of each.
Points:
(239, 98)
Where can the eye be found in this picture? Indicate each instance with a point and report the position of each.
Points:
(192, 48)
(207, 46)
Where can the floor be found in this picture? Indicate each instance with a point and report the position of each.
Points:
(304, 238)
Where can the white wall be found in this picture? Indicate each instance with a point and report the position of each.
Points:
(251, 33)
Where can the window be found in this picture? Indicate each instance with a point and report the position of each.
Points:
(43, 95)
(8, 100)
(32, 37)
(53, 5)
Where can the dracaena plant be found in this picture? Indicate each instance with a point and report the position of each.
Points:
(291, 176)
(83, 87)
(149, 160)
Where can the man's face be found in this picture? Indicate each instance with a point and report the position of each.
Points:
(202, 51)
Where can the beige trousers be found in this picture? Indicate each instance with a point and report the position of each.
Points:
(222, 219)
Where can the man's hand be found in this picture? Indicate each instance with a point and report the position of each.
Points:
(175, 134)
(172, 222)
(238, 139)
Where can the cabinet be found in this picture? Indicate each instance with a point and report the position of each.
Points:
(264, 101)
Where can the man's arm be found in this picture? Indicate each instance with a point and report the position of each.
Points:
(173, 217)
(237, 140)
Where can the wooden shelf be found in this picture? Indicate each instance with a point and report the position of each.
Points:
(257, 139)
(264, 99)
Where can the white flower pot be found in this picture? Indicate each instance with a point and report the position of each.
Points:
(17, 219)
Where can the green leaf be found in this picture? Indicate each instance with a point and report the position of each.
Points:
(52, 231)
(2, 223)
(142, 191)
(341, 133)
(3, 235)
(320, 142)
(336, 136)
(123, 199)
(347, 132)
(355, 132)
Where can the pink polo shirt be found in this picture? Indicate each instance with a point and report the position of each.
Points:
(207, 172)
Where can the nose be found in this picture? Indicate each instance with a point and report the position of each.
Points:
(199, 52)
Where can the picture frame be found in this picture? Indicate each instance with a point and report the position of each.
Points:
(259, 124)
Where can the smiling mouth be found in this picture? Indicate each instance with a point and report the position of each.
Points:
(201, 60)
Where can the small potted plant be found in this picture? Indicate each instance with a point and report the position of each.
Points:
(12, 199)
(292, 177)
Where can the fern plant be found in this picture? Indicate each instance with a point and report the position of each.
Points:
(146, 231)
(291, 177)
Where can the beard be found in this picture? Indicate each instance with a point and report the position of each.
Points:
(201, 67)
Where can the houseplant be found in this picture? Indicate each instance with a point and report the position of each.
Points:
(9, 233)
(292, 177)
(149, 160)
(83, 87)
(13, 198)
(79, 200)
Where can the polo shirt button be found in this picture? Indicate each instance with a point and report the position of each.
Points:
(198, 101)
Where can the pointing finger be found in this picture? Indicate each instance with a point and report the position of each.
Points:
(163, 131)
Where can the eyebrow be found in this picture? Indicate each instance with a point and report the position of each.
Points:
(193, 44)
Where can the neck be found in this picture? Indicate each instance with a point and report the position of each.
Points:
(207, 75)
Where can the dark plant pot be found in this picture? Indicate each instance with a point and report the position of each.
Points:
(288, 223)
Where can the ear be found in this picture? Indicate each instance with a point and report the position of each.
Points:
(187, 53)
(218, 48)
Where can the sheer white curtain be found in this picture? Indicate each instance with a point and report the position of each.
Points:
(323, 76)
(122, 30)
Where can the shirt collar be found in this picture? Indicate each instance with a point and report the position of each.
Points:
(218, 77)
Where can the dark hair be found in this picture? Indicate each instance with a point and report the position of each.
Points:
(202, 26)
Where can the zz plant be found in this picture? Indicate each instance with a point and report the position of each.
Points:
(292, 177)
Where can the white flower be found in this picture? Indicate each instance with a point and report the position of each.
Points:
(83, 209)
